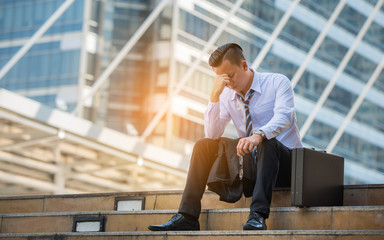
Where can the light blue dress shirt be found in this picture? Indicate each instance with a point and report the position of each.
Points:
(271, 107)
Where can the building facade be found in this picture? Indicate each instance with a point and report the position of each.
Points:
(332, 51)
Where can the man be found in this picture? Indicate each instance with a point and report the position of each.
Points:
(261, 107)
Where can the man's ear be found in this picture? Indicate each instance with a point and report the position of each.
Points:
(244, 65)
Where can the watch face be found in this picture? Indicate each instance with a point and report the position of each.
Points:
(261, 133)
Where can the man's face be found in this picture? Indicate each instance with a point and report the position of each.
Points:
(238, 80)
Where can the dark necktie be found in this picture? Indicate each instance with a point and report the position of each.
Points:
(248, 122)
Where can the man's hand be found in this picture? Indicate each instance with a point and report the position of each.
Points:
(246, 145)
(220, 82)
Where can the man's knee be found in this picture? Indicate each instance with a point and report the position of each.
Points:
(267, 145)
(205, 144)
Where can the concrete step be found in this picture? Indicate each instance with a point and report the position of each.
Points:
(153, 200)
(222, 235)
(282, 218)
(358, 195)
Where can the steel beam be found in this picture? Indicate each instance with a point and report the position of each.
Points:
(63, 170)
(28, 163)
(172, 71)
(84, 53)
(29, 182)
(98, 181)
(28, 143)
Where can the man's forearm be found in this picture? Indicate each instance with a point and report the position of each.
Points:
(214, 125)
(215, 96)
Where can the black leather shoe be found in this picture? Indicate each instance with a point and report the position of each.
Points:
(255, 222)
(177, 223)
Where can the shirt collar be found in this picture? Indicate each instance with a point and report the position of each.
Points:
(255, 84)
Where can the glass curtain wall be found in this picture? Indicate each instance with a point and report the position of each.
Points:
(50, 69)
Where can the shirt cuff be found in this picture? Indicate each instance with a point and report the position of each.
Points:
(268, 135)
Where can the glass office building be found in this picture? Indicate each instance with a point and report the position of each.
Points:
(52, 64)
(332, 51)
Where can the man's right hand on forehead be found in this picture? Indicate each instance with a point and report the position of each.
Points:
(221, 81)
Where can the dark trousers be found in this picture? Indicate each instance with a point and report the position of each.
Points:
(273, 168)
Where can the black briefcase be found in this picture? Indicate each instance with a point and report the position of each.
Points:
(317, 178)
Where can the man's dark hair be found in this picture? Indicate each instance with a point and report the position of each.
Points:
(230, 51)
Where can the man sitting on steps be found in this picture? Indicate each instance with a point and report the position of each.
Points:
(261, 107)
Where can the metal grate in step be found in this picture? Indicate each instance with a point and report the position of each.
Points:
(89, 224)
(129, 203)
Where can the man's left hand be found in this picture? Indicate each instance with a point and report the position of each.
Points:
(246, 145)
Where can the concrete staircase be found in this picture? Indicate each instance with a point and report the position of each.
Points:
(79, 217)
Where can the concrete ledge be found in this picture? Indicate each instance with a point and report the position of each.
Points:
(154, 200)
(206, 211)
(354, 195)
(289, 218)
(269, 234)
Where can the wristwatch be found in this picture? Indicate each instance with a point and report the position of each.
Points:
(261, 133)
